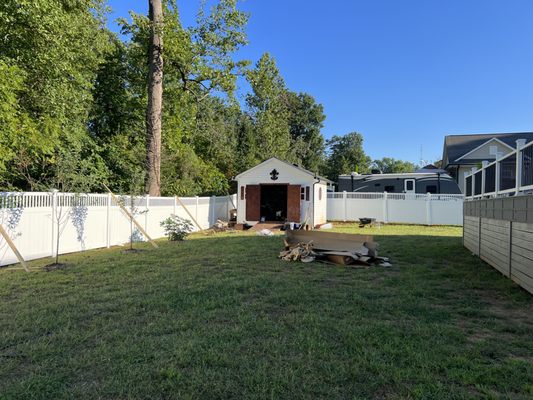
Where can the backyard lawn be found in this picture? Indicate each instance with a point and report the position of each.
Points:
(221, 317)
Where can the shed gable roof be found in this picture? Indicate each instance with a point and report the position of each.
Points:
(296, 167)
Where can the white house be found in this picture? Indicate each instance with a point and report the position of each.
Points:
(463, 152)
(276, 190)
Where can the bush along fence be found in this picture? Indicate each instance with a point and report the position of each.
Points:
(500, 232)
(40, 223)
(425, 209)
(506, 175)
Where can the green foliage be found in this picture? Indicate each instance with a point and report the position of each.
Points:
(306, 119)
(73, 101)
(346, 155)
(54, 48)
(269, 110)
(177, 228)
(389, 165)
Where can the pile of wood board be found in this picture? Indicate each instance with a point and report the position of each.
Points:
(332, 247)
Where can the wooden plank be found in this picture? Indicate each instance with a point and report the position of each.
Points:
(521, 261)
(523, 280)
(329, 240)
(494, 228)
(11, 244)
(495, 235)
(496, 244)
(523, 235)
(522, 226)
(525, 244)
(495, 222)
(496, 264)
(500, 258)
(522, 268)
(472, 229)
(497, 260)
(473, 243)
(117, 201)
(189, 213)
(526, 253)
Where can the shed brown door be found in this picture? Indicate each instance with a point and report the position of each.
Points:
(253, 202)
(293, 203)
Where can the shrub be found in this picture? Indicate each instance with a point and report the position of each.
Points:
(177, 228)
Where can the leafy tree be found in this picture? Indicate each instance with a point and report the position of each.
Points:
(346, 155)
(269, 110)
(54, 48)
(306, 119)
(198, 61)
(389, 165)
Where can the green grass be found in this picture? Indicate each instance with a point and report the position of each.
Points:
(221, 317)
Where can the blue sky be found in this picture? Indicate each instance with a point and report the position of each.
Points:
(404, 73)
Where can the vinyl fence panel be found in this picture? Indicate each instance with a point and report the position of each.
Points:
(426, 209)
(34, 221)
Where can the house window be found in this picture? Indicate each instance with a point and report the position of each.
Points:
(242, 192)
(409, 185)
(431, 189)
(320, 193)
(307, 196)
(389, 189)
(302, 193)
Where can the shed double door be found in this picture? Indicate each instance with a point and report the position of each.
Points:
(253, 203)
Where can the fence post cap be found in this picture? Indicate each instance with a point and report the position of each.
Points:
(520, 143)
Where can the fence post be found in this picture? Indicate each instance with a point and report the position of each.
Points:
(196, 208)
(146, 213)
(385, 207)
(54, 217)
(108, 222)
(497, 172)
(175, 204)
(227, 206)
(473, 171)
(213, 211)
(344, 197)
(518, 181)
(428, 208)
(484, 164)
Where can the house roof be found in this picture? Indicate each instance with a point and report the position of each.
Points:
(290, 165)
(456, 146)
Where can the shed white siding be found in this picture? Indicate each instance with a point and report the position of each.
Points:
(313, 209)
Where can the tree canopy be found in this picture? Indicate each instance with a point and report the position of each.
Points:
(73, 101)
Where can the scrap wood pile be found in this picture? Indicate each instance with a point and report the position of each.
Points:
(330, 247)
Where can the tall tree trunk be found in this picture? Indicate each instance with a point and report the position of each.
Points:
(155, 100)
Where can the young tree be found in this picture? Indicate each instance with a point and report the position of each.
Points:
(269, 110)
(155, 99)
(346, 155)
(306, 119)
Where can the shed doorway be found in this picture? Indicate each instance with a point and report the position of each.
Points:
(273, 203)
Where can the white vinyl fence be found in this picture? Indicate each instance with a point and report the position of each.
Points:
(89, 221)
(426, 209)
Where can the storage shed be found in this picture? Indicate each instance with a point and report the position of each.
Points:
(278, 191)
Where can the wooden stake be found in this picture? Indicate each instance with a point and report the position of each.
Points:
(131, 216)
(14, 248)
(188, 212)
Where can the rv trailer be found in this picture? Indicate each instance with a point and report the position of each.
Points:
(416, 182)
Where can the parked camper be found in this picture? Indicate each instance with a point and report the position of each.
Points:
(421, 181)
